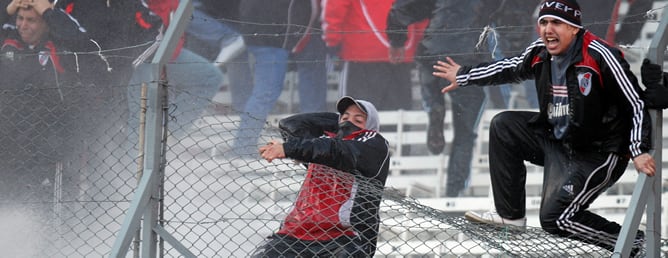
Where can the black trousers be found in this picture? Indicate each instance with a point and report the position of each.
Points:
(572, 179)
(467, 104)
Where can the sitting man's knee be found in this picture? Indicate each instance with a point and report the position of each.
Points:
(551, 223)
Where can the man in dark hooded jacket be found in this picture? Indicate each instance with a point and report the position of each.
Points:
(336, 211)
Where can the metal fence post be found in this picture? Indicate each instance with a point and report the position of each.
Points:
(648, 189)
(145, 200)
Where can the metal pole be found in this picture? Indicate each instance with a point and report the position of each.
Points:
(144, 203)
(648, 189)
(140, 158)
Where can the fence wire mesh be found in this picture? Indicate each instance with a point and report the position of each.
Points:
(71, 172)
(222, 201)
(66, 181)
(69, 167)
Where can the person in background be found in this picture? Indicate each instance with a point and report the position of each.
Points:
(591, 121)
(354, 31)
(214, 34)
(439, 41)
(282, 30)
(336, 211)
(118, 32)
(121, 31)
(192, 80)
(514, 26)
(604, 19)
(656, 84)
(215, 27)
(40, 82)
(312, 70)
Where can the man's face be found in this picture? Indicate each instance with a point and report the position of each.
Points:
(557, 35)
(31, 26)
(355, 115)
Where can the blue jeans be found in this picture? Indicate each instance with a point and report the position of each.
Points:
(192, 80)
(270, 66)
(241, 81)
(215, 35)
(312, 76)
(210, 30)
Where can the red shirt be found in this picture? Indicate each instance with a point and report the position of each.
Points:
(165, 9)
(358, 27)
(323, 207)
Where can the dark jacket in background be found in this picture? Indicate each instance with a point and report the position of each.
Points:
(43, 88)
(453, 30)
(52, 61)
(515, 24)
(121, 28)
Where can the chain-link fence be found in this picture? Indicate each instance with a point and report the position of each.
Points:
(70, 166)
(221, 203)
(70, 169)
(66, 174)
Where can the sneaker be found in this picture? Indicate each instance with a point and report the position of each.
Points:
(230, 50)
(493, 218)
(435, 138)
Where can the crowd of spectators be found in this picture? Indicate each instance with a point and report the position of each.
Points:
(67, 64)
(61, 47)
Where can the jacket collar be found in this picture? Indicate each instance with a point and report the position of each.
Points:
(579, 43)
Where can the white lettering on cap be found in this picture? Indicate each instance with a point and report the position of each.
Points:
(561, 6)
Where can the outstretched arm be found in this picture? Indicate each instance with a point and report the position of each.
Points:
(447, 70)
(273, 150)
